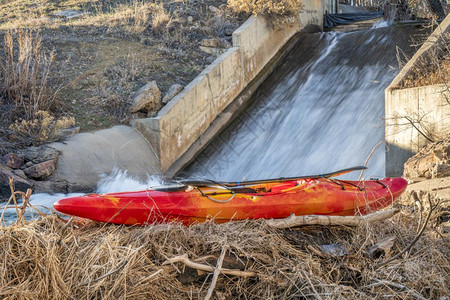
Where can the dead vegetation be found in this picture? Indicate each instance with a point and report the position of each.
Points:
(57, 259)
(431, 68)
(88, 68)
(278, 12)
(116, 47)
(29, 105)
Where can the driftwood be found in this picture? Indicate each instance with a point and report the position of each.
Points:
(294, 221)
(216, 274)
(185, 260)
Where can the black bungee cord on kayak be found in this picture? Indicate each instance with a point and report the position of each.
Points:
(215, 200)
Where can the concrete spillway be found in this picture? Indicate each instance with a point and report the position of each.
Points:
(321, 110)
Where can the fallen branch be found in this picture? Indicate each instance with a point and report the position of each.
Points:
(216, 274)
(294, 221)
(368, 158)
(185, 260)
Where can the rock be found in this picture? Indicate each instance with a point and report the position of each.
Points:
(213, 43)
(433, 161)
(148, 98)
(69, 132)
(190, 19)
(334, 249)
(57, 186)
(13, 160)
(173, 91)
(206, 30)
(228, 32)
(41, 170)
(20, 173)
(68, 14)
(440, 170)
(214, 9)
(39, 154)
(20, 184)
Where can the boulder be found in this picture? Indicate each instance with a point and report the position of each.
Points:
(20, 184)
(35, 155)
(173, 91)
(41, 170)
(56, 186)
(214, 9)
(147, 99)
(13, 160)
(433, 161)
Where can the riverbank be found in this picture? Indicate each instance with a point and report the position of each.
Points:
(52, 258)
(102, 53)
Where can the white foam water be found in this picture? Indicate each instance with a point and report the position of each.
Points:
(320, 111)
(117, 181)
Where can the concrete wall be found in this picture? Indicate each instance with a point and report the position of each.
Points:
(430, 103)
(187, 116)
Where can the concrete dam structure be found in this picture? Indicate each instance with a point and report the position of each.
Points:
(322, 109)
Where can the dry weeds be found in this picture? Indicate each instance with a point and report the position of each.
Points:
(24, 70)
(52, 259)
(279, 12)
(433, 68)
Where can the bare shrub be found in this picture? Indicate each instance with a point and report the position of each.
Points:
(279, 12)
(44, 127)
(433, 67)
(160, 18)
(140, 15)
(24, 71)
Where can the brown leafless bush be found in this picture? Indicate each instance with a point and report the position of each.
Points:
(43, 128)
(279, 12)
(138, 16)
(24, 71)
(433, 67)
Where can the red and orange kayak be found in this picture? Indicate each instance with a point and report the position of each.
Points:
(197, 201)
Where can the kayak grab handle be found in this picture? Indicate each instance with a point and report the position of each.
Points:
(215, 200)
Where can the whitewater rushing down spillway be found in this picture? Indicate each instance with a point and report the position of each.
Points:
(321, 109)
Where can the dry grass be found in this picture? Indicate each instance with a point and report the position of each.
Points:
(51, 259)
(27, 101)
(24, 70)
(433, 68)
